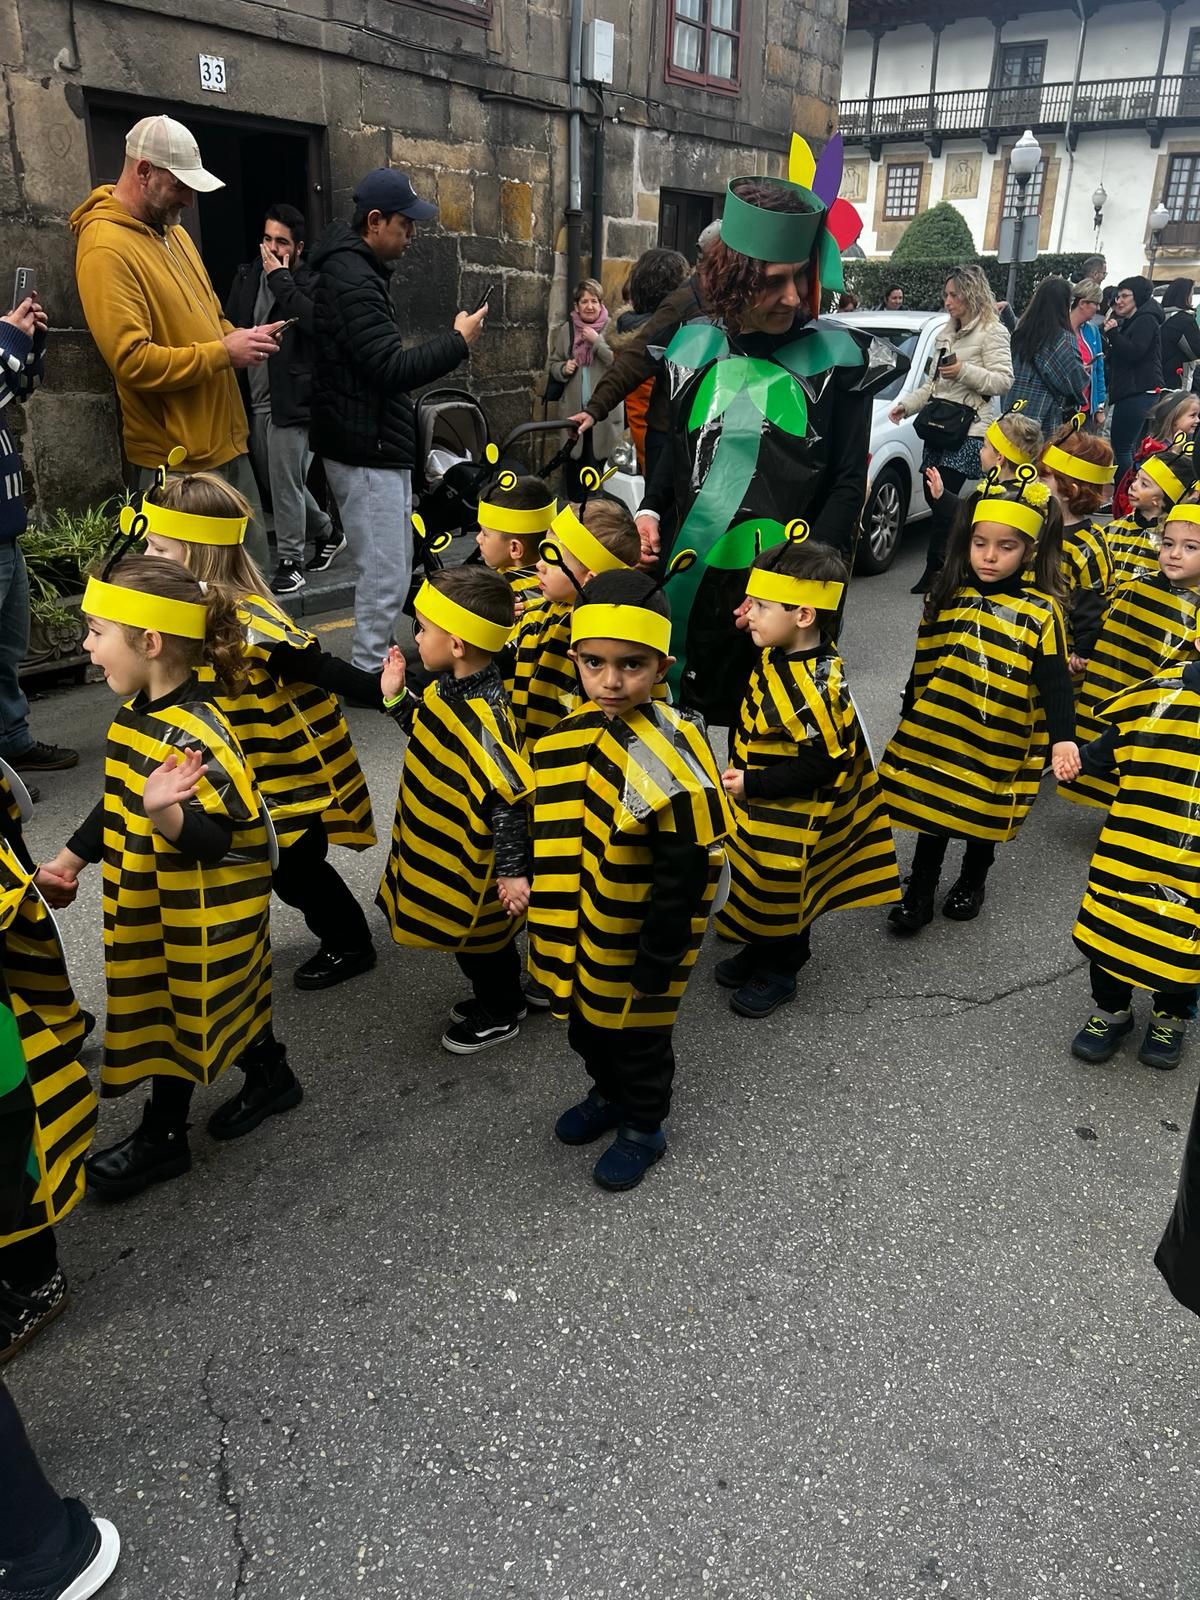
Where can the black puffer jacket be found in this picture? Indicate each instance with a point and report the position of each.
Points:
(1135, 354)
(361, 412)
(290, 372)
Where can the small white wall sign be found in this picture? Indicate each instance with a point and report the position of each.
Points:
(212, 74)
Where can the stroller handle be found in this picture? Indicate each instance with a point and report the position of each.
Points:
(525, 428)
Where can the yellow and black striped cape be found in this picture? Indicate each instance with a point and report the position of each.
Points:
(792, 859)
(969, 753)
(295, 738)
(544, 686)
(438, 889)
(51, 1029)
(1086, 564)
(1133, 547)
(1150, 628)
(1140, 917)
(603, 788)
(526, 587)
(187, 950)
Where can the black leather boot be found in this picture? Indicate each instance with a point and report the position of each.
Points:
(153, 1153)
(915, 911)
(270, 1087)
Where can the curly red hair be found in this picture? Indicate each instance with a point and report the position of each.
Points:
(730, 281)
(1080, 499)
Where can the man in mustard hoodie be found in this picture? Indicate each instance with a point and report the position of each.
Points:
(153, 314)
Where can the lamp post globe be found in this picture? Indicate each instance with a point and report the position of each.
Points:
(1099, 200)
(1024, 159)
(1159, 218)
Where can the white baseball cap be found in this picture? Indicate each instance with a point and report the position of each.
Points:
(166, 143)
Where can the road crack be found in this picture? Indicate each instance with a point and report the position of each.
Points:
(225, 1483)
(962, 1002)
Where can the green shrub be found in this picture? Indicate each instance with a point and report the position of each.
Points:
(59, 551)
(939, 234)
(922, 281)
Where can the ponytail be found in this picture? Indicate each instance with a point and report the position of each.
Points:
(222, 645)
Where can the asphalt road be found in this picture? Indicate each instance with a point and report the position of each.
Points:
(884, 1324)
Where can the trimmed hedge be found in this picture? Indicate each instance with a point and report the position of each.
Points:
(922, 281)
(939, 234)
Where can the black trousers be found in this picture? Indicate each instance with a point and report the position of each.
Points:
(1113, 994)
(304, 879)
(29, 1263)
(633, 1067)
(931, 852)
(33, 1519)
(495, 979)
(786, 955)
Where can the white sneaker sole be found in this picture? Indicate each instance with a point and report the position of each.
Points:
(457, 1049)
(100, 1568)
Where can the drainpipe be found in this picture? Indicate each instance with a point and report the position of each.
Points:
(1066, 195)
(574, 211)
(598, 196)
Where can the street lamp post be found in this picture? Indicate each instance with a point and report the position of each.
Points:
(1159, 218)
(1099, 199)
(1025, 159)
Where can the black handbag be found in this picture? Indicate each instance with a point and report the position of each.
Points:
(943, 424)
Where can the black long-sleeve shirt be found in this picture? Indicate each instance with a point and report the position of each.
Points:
(678, 879)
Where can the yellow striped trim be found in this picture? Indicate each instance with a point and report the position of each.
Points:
(131, 607)
(788, 591)
(571, 534)
(191, 529)
(1157, 469)
(1025, 519)
(1074, 466)
(463, 624)
(631, 624)
(1003, 445)
(1184, 514)
(508, 519)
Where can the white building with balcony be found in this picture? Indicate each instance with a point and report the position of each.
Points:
(933, 102)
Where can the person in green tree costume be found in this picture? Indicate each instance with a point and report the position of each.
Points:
(770, 415)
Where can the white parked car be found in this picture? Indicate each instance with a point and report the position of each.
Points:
(895, 494)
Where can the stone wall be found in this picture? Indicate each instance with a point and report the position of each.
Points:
(476, 113)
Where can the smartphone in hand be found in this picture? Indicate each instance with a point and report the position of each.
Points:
(487, 295)
(24, 285)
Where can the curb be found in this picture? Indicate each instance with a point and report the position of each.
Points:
(315, 598)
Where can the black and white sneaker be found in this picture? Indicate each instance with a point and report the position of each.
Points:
(78, 1571)
(327, 552)
(25, 1312)
(465, 1010)
(537, 996)
(478, 1030)
(288, 579)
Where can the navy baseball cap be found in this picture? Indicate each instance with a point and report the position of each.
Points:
(387, 189)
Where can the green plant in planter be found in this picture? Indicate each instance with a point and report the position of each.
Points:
(58, 554)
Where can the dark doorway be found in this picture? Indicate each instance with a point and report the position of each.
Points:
(682, 215)
(261, 160)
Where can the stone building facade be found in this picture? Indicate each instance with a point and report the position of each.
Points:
(471, 96)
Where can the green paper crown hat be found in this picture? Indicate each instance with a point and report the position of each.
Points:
(772, 235)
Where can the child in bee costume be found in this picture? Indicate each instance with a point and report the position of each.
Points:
(43, 1027)
(1011, 441)
(1159, 483)
(183, 843)
(989, 683)
(289, 725)
(1077, 468)
(457, 875)
(811, 832)
(628, 816)
(514, 516)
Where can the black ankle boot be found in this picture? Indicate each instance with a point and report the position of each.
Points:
(965, 901)
(915, 911)
(153, 1153)
(270, 1087)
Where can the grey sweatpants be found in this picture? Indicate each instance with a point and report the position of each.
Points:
(375, 505)
(283, 458)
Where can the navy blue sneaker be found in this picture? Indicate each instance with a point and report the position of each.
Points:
(629, 1158)
(591, 1118)
(736, 970)
(1162, 1046)
(1100, 1036)
(764, 993)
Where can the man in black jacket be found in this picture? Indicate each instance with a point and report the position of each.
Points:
(364, 424)
(277, 394)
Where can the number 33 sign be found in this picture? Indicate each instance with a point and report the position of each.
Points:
(212, 74)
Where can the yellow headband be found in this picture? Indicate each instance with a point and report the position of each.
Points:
(787, 591)
(1157, 469)
(1025, 519)
(191, 529)
(573, 537)
(463, 624)
(1075, 467)
(1003, 445)
(180, 618)
(1184, 514)
(629, 624)
(507, 519)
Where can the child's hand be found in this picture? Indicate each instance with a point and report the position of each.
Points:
(58, 880)
(741, 616)
(518, 609)
(1064, 758)
(1076, 664)
(735, 783)
(934, 479)
(514, 895)
(391, 679)
(173, 783)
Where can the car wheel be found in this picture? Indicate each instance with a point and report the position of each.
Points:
(883, 522)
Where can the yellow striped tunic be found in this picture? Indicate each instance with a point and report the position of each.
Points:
(438, 889)
(1150, 628)
(1140, 917)
(296, 739)
(187, 947)
(969, 753)
(51, 1029)
(604, 788)
(526, 587)
(1087, 565)
(545, 686)
(791, 859)
(1133, 546)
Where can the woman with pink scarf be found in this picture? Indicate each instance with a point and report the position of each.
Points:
(579, 358)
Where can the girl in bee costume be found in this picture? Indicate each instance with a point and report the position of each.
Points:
(186, 872)
(291, 730)
(1076, 467)
(628, 816)
(988, 683)
(1159, 483)
(811, 832)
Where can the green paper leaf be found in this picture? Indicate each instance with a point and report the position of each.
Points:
(696, 344)
(830, 262)
(779, 397)
(719, 385)
(818, 349)
(740, 544)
